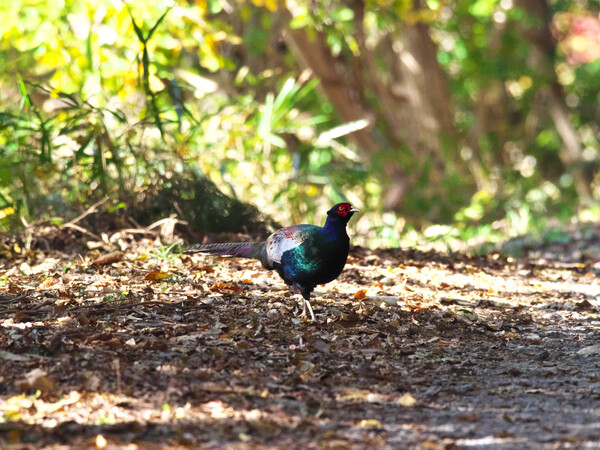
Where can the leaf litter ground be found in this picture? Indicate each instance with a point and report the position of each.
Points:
(410, 350)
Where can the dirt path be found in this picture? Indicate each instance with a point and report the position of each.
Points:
(410, 350)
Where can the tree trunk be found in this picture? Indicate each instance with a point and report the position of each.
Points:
(413, 108)
(335, 84)
(571, 152)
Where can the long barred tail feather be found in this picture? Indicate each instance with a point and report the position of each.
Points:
(240, 249)
(256, 250)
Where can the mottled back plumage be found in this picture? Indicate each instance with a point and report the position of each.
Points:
(303, 255)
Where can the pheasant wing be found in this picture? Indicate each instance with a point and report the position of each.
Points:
(287, 239)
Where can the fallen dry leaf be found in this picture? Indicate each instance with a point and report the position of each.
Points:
(37, 379)
(360, 294)
(407, 400)
(589, 350)
(48, 283)
(370, 423)
(226, 287)
(108, 258)
(101, 441)
(155, 275)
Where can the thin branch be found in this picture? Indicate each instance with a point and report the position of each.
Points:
(90, 210)
(82, 230)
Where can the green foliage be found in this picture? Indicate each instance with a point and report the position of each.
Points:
(166, 254)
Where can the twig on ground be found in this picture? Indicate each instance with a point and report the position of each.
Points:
(90, 210)
(81, 230)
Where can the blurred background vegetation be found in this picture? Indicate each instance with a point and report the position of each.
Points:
(440, 119)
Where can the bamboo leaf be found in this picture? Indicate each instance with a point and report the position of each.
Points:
(342, 130)
(158, 22)
(137, 29)
(264, 123)
(24, 95)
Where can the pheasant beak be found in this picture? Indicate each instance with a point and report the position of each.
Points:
(353, 209)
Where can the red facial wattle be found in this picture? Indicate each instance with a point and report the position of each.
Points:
(343, 209)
